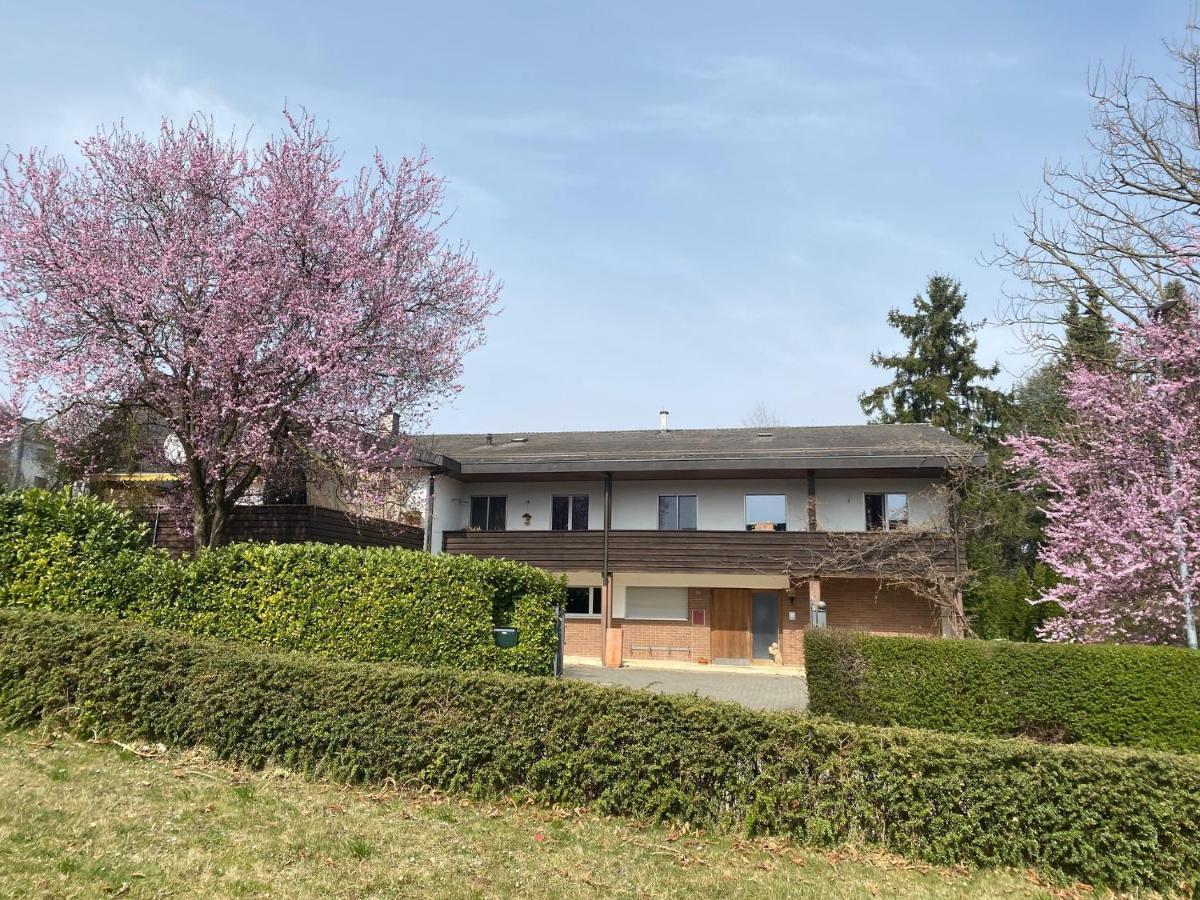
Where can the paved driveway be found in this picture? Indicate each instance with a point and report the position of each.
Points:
(788, 692)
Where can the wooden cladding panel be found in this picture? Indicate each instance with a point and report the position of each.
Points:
(730, 636)
(682, 551)
(292, 525)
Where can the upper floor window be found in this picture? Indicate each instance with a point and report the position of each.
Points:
(677, 512)
(583, 601)
(766, 512)
(569, 513)
(488, 513)
(886, 511)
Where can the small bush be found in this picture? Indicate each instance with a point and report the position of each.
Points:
(1114, 695)
(337, 601)
(1117, 817)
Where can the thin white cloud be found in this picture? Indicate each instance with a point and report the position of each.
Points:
(141, 104)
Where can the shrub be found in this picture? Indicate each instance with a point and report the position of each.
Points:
(1115, 695)
(67, 553)
(338, 601)
(1116, 817)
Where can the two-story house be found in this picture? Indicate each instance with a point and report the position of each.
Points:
(717, 545)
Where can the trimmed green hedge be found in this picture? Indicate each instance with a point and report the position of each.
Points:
(83, 555)
(1114, 695)
(1116, 817)
(71, 554)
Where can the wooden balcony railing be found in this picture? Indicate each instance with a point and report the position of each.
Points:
(290, 524)
(762, 552)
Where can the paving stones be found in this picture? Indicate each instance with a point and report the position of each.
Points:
(774, 691)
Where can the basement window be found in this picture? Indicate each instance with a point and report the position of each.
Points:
(583, 601)
(886, 512)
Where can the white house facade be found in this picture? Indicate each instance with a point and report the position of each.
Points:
(714, 545)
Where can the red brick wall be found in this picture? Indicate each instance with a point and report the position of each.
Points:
(856, 603)
(680, 641)
(700, 601)
(791, 632)
(645, 639)
(861, 604)
(583, 637)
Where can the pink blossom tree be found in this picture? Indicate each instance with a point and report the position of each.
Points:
(261, 308)
(1122, 488)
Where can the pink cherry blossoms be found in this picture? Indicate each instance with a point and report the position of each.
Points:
(255, 303)
(1122, 488)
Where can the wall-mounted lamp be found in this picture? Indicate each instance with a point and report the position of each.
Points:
(527, 518)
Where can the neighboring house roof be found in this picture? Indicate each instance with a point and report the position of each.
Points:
(781, 448)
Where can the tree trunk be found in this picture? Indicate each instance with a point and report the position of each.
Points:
(201, 525)
(216, 528)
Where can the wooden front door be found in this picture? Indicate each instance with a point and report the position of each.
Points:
(731, 626)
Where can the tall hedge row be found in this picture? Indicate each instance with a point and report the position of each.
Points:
(1117, 817)
(1114, 695)
(343, 602)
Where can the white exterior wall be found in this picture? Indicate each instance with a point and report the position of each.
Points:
(840, 504)
(721, 503)
(451, 508)
(533, 497)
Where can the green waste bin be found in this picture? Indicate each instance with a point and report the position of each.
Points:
(506, 637)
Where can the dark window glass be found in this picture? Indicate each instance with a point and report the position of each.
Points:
(487, 513)
(496, 510)
(479, 511)
(579, 512)
(668, 513)
(886, 511)
(583, 601)
(874, 512)
(560, 513)
(579, 601)
(569, 513)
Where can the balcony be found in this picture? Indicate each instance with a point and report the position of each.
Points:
(759, 552)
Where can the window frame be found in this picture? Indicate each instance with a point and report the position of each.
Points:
(885, 519)
(571, 498)
(487, 512)
(595, 601)
(658, 509)
(779, 526)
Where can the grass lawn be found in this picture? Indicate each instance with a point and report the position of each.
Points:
(89, 820)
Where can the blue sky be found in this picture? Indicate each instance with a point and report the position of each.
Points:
(701, 206)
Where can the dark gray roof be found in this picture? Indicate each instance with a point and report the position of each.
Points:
(837, 446)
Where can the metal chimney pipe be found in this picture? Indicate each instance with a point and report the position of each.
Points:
(662, 420)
